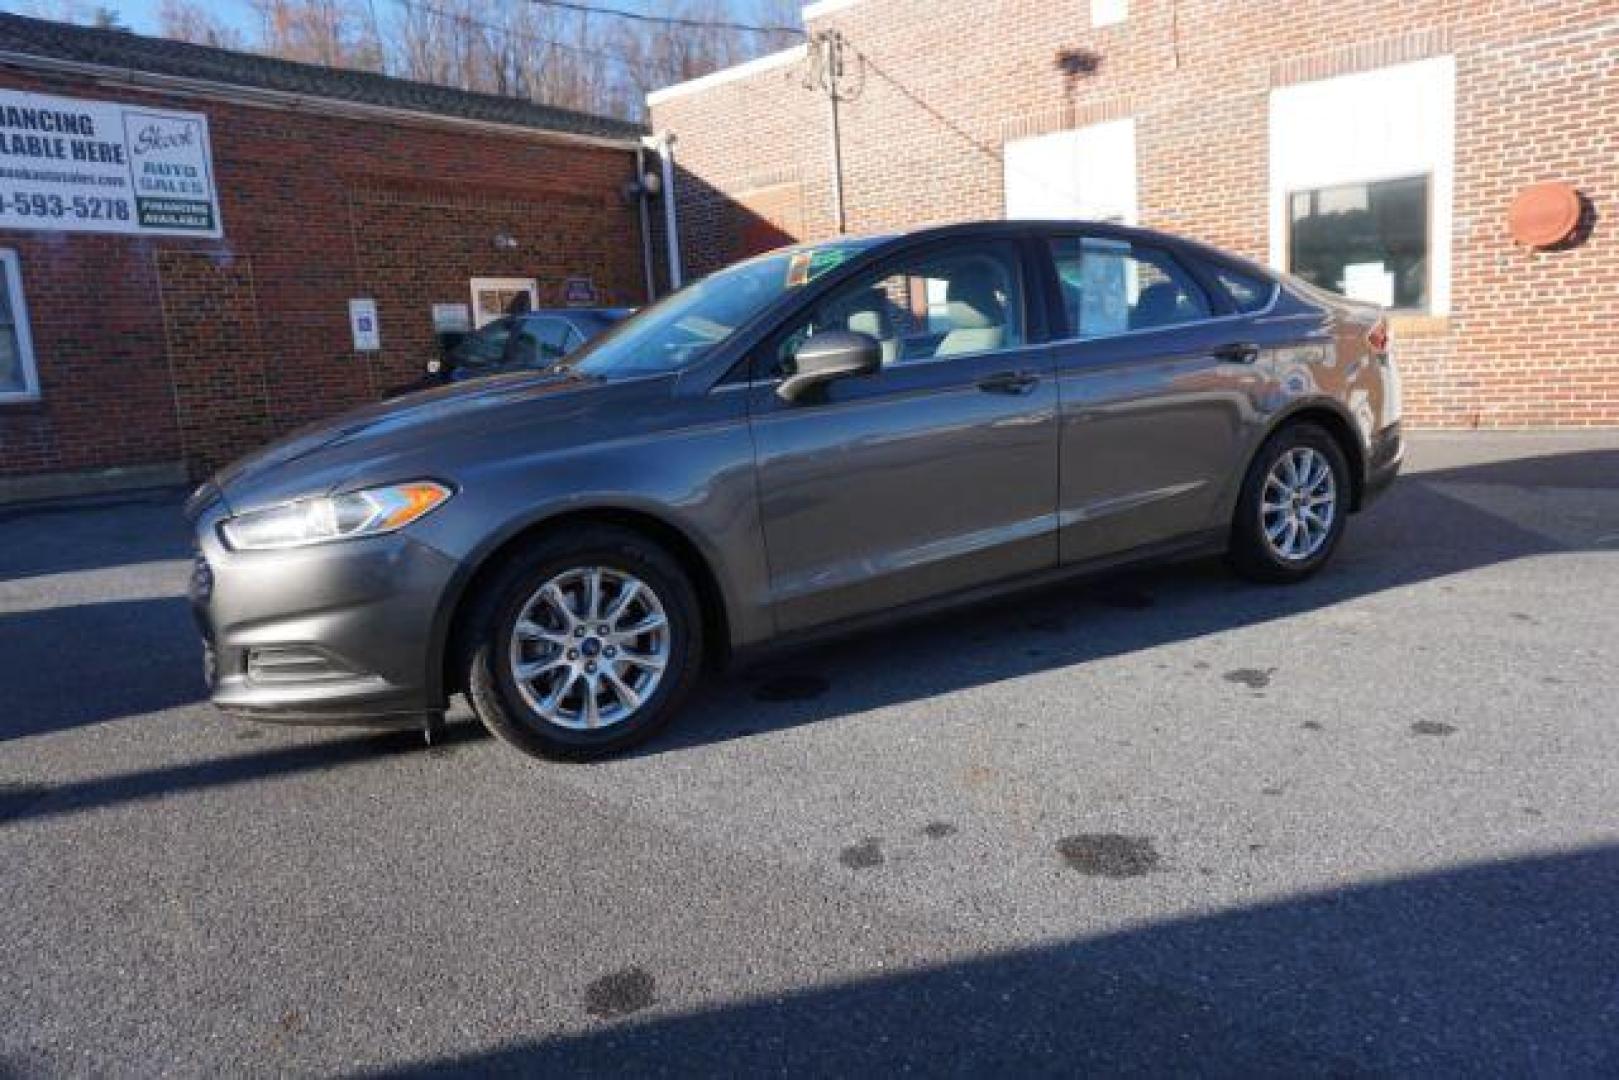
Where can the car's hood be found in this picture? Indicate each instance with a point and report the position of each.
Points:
(320, 457)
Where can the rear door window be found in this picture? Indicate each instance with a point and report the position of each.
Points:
(1112, 287)
(1248, 292)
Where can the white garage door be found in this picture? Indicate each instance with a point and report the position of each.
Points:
(1088, 173)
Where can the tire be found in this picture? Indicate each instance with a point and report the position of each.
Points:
(1252, 552)
(493, 646)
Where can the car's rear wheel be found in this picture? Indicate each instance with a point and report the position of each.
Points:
(1294, 502)
(583, 644)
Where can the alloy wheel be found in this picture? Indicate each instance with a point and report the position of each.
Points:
(1299, 504)
(589, 647)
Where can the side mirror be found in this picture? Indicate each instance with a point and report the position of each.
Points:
(830, 355)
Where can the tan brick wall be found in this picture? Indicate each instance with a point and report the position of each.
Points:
(945, 83)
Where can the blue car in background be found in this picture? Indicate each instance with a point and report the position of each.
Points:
(529, 341)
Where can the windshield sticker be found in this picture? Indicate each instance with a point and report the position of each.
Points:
(805, 266)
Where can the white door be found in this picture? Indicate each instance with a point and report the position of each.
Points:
(1088, 173)
(493, 296)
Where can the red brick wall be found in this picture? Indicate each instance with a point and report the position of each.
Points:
(162, 349)
(945, 83)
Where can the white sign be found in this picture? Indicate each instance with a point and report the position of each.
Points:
(1106, 287)
(1371, 282)
(452, 318)
(363, 323)
(68, 165)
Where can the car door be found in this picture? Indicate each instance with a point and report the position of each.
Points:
(935, 474)
(1156, 377)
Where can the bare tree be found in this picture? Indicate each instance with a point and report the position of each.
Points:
(592, 61)
(334, 33)
(187, 20)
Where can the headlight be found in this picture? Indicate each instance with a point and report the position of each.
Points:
(334, 517)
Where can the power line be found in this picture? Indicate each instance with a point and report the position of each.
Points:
(669, 20)
(994, 153)
(634, 63)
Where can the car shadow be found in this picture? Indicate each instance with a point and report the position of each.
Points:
(66, 667)
(25, 801)
(1504, 968)
(1420, 531)
(92, 534)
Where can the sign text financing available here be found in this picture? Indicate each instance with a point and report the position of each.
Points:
(95, 166)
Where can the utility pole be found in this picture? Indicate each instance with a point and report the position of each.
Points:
(829, 46)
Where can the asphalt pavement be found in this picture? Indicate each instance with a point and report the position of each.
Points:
(1166, 824)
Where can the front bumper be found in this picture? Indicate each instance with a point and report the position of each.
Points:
(331, 633)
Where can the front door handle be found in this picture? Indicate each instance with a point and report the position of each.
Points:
(1238, 352)
(1009, 382)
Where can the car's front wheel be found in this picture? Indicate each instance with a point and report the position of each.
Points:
(1293, 506)
(583, 644)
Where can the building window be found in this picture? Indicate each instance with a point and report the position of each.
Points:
(1365, 241)
(1362, 173)
(1109, 12)
(18, 378)
(493, 297)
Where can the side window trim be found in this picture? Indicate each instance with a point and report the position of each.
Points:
(21, 330)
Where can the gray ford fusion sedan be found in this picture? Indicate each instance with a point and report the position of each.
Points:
(812, 441)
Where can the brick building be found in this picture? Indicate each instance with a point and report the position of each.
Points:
(1374, 146)
(183, 229)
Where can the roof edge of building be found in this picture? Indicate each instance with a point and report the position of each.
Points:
(270, 98)
(786, 56)
(50, 39)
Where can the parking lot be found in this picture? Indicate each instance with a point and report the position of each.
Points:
(1166, 823)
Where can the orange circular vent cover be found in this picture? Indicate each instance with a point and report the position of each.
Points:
(1544, 214)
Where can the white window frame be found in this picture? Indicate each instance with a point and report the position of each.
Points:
(1087, 173)
(20, 326)
(503, 284)
(1389, 123)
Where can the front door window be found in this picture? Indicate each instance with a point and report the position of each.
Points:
(958, 303)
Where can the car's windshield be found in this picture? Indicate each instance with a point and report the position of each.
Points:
(686, 326)
(485, 346)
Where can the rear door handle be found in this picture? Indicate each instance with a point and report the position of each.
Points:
(1009, 382)
(1238, 352)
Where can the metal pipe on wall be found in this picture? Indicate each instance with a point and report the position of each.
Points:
(666, 152)
(641, 196)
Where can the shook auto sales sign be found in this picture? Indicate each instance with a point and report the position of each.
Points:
(95, 166)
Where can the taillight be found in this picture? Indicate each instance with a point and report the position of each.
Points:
(1377, 338)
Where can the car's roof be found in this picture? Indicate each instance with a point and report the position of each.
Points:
(565, 312)
(1019, 226)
